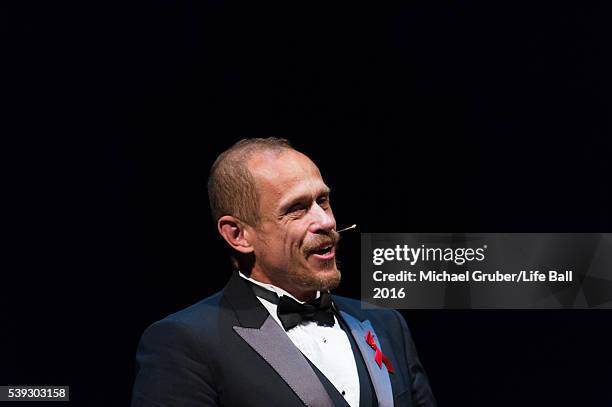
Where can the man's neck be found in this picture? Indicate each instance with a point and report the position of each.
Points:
(301, 296)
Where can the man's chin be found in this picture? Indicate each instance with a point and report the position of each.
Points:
(318, 275)
(327, 279)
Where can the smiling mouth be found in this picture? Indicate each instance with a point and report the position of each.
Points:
(324, 252)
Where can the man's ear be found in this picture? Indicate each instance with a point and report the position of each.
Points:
(235, 233)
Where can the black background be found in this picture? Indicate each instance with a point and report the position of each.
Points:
(425, 116)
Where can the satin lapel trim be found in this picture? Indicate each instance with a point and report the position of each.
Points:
(273, 344)
(380, 376)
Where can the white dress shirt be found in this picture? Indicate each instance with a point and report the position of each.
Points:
(327, 347)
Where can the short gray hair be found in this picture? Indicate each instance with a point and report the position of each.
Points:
(231, 186)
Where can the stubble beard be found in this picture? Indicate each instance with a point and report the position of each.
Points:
(325, 279)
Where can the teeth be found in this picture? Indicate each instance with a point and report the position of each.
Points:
(322, 249)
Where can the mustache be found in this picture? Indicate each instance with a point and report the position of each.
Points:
(319, 240)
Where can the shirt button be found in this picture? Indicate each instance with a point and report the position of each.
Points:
(324, 340)
(343, 392)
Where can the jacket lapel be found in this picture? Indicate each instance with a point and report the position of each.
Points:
(271, 342)
(379, 375)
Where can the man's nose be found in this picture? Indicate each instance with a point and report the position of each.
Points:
(324, 219)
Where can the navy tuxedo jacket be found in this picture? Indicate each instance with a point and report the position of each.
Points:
(227, 350)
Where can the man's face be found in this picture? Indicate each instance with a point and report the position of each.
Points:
(295, 240)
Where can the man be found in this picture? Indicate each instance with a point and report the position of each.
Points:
(274, 336)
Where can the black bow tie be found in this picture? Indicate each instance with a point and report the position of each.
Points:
(291, 313)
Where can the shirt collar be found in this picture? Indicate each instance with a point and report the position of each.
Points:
(270, 287)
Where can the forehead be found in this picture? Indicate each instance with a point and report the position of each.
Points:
(282, 176)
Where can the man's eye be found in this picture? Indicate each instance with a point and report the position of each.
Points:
(323, 201)
(296, 208)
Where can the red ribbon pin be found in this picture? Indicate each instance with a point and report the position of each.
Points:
(378, 355)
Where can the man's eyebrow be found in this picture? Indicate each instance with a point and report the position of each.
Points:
(324, 191)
